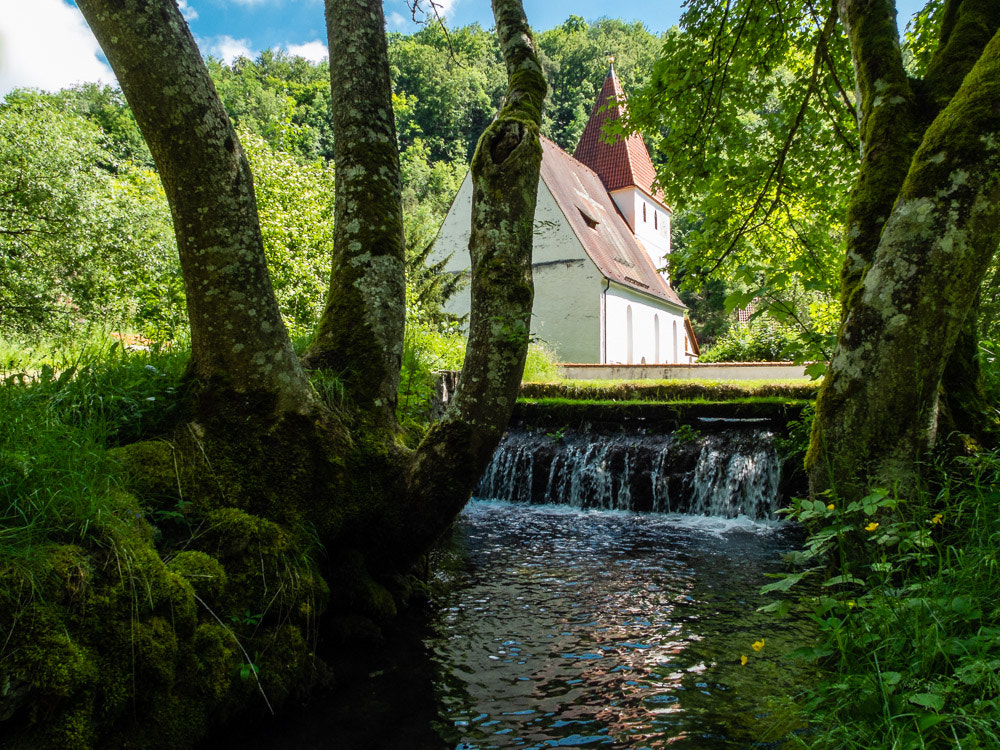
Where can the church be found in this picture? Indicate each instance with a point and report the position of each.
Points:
(601, 237)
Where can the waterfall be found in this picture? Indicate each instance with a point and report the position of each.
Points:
(729, 473)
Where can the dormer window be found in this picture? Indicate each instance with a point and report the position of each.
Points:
(590, 221)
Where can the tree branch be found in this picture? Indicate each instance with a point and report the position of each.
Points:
(238, 339)
(888, 129)
(505, 170)
(967, 28)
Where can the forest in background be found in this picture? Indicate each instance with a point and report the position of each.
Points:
(87, 241)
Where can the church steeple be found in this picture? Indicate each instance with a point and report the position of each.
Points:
(623, 163)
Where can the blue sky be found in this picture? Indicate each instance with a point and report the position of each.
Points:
(46, 44)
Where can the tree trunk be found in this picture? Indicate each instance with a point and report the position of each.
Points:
(290, 511)
(238, 339)
(878, 407)
(360, 334)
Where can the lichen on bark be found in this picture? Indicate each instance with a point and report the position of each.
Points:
(877, 409)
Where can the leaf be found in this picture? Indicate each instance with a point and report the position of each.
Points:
(928, 700)
(816, 370)
(784, 583)
(927, 721)
(891, 678)
(780, 608)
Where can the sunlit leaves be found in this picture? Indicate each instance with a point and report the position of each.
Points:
(757, 140)
(83, 234)
(295, 206)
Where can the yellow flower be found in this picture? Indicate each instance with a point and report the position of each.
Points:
(850, 603)
(871, 526)
(938, 519)
(758, 645)
(743, 660)
(831, 506)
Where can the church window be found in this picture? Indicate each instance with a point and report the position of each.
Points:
(630, 351)
(643, 211)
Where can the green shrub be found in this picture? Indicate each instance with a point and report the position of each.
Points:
(760, 340)
(540, 366)
(904, 598)
(425, 351)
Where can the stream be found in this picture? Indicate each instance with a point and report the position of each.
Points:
(574, 626)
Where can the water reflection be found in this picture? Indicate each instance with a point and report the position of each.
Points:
(558, 627)
(569, 628)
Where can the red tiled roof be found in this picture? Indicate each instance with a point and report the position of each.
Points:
(623, 163)
(599, 225)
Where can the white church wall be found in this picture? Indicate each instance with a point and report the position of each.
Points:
(639, 331)
(649, 220)
(566, 314)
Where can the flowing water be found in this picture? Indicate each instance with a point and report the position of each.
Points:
(567, 626)
(560, 627)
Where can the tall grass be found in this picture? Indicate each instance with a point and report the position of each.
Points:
(59, 414)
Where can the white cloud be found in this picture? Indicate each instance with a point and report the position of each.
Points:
(445, 6)
(315, 51)
(189, 13)
(397, 20)
(226, 48)
(46, 44)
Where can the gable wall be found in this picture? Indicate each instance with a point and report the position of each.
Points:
(567, 310)
(653, 232)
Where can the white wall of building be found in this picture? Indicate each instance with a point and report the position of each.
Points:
(567, 310)
(649, 221)
(638, 331)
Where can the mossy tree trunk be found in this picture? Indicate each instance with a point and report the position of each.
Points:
(924, 222)
(360, 334)
(238, 339)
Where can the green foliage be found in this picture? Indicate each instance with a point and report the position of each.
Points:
(295, 206)
(921, 37)
(757, 141)
(426, 349)
(760, 340)
(686, 434)
(83, 235)
(540, 365)
(575, 60)
(452, 87)
(902, 592)
(707, 310)
(672, 390)
(283, 99)
(57, 420)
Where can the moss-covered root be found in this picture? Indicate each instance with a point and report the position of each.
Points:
(109, 646)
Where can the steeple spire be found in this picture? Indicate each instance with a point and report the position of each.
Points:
(625, 162)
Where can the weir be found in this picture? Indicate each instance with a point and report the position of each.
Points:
(728, 470)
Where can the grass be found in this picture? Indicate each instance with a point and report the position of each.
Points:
(57, 423)
(696, 401)
(908, 614)
(671, 390)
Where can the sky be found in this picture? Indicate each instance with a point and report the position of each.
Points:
(46, 44)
